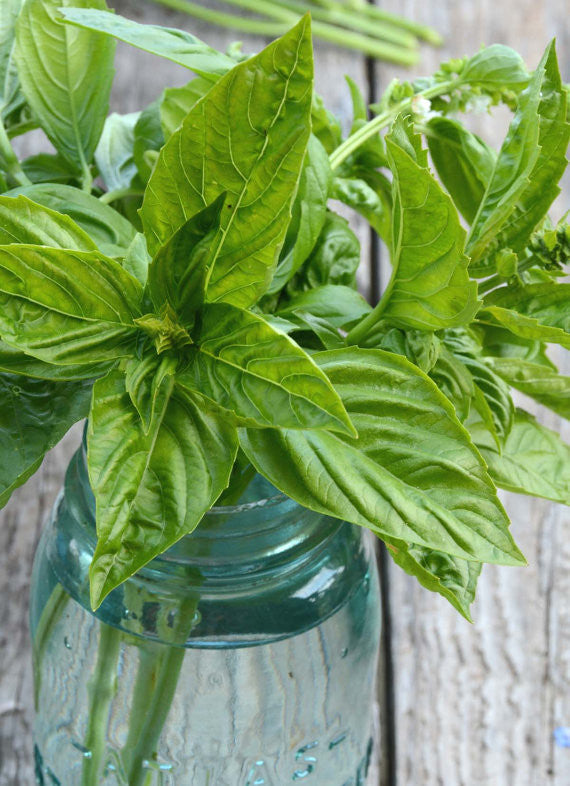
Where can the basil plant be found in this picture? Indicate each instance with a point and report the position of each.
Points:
(178, 277)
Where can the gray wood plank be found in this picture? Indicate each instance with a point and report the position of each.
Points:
(478, 705)
(140, 78)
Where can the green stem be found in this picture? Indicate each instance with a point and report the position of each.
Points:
(155, 687)
(118, 193)
(10, 159)
(101, 690)
(360, 330)
(424, 32)
(253, 26)
(335, 14)
(365, 132)
(50, 615)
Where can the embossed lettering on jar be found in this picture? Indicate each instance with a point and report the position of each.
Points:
(244, 655)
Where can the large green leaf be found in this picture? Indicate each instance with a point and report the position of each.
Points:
(14, 361)
(66, 307)
(34, 416)
(452, 577)
(24, 221)
(150, 488)
(412, 475)
(517, 169)
(538, 381)
(243, 364)
(430, 287)
(114, 153)
(177, 275)
(176, 45)
(309, 214)
(534, 460)
(535, 311)
(247, 137)
(339, 305)
(66, 75)
(10, 95)
(107, 228)
(463, 162)
(496, 67)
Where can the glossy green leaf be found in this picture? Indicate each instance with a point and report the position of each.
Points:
(308, 214)
(148, 139)
(24, 221)
(453, 578)
(534, 460)
(517, 180)
(314, 333)
(176, 102)
(496, 66)
(496, 402)
(540, 382)
(148, 382)
(247, 137)
(176, 45)
(34, 416)
(325, 125)
(463, 162)
(150, 489)
(454, 380)
(535, 311)
(430, 286)
(420, 347)
(10, 95)
(412, 474)
(137, 259)
(114, 153)
(178, 273)
(339, 305)
(66, 76)
(334, 259)
(370, 203)
(66, 307)
(49, 168)
(14, 361)
(243, 364)
(107, 228)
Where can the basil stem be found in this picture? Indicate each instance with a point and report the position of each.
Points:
(101, 691)
(10, 159)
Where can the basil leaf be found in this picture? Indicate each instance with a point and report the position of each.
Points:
(34, 416)
(176, 45)
(518, 168)
(540, 382)
(49, 168)
(314, 333)
(178, 273)
(104, 225)
(501, 343)
(453, 578)
(243, 364)
(325, 125)
(247, 137)
(553, 138)
(24, 221)
(496, 401)
(371, 204)
(463, 162)
(150, 489)
(137, 259)
(66, 76)
(148, 139)
(496, 66)
(114, 153)
(535, 311)
(308, 215)
(420, 347)
(534, 460)
(341, 306)
(10, 94)
(454, 380)
(412, 474)
(430, 286)
(176, 102)
(75, 306)
(148, 382)
(334, 259)
(14, 361)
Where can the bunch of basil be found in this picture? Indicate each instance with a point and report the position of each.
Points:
(209, 322)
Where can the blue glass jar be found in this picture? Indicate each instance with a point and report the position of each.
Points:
(245, 655)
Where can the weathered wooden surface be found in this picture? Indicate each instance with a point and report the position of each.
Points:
(474, 705)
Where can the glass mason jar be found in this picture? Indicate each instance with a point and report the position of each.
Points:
(245, 655)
